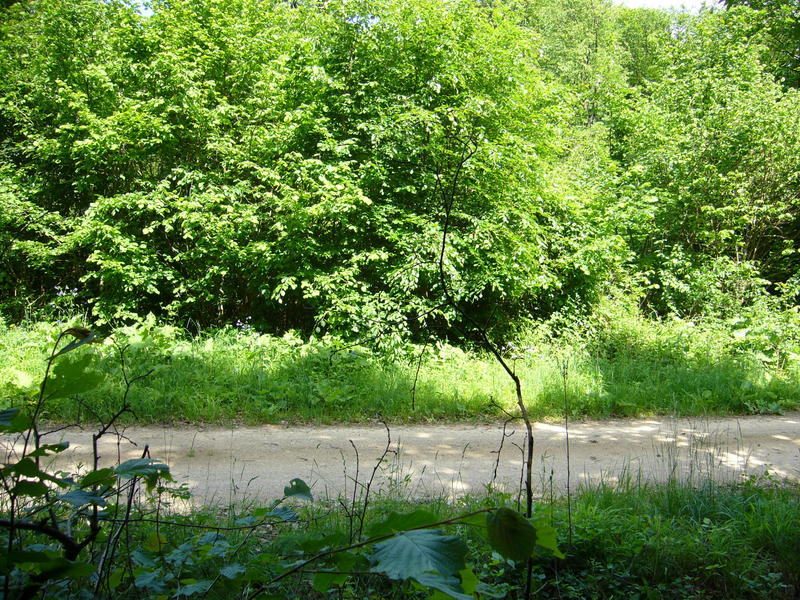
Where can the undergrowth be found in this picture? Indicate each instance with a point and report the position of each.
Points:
(129, 531)
(620, 366)
(668, 541)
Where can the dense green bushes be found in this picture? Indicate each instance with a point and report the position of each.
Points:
(223, 159)
(288, 162)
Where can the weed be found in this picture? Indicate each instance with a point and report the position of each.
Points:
(229, 375)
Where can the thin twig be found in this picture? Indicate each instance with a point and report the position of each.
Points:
(378, 463)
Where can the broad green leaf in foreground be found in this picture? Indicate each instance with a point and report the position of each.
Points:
(546, 536)
(47, 449)
(515, 537)
(141, 467)
(449, 586)
(419, 552)
(511, 534)
(80, 498)
(71, 377)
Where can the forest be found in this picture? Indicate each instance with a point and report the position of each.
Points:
(255, 212)
(287, 162)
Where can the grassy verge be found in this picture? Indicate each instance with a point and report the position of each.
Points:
(666, 542)
(631, 367)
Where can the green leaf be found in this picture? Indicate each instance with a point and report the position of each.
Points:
(33, 489)
(232, 571)
(476, 520)
(115, 579)
(344, 561)
(76, 344)
(62, 568)
(447, 585)
(48, 449)
(13, 420)
(194, 587)
(283, 513)
(395, 522)
(323, 581)
(141, 467)
(155, 542)
(469, 581)
(298, 488)
(100, 477)
(316, 544)
(511, 534)
(80, 498)
(72, 377)
(415, 553)
(546, 536)
(19, 557)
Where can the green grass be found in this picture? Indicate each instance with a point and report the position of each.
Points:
(630, 367)
(675, 541)
(666, 541)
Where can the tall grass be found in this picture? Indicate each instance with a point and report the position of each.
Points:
(625, 367)
(665, 541)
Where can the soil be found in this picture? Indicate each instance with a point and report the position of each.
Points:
(221, 465)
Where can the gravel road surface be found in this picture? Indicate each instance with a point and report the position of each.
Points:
(234, 463)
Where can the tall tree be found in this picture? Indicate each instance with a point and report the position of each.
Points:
(779, 20)
(712, 185)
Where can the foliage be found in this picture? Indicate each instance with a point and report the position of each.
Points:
(710, 188)
(677, 541)
(621, 365)
(64, 533)
(778, 22)
(279, 160)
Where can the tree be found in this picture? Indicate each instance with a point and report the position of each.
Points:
(228, 158)
(712, 172)
(779, 22)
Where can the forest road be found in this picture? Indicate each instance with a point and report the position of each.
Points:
(221, 465)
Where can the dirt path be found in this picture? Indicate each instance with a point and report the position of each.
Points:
(221, 465)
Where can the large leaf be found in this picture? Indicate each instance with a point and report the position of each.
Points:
(78, 498)
(100, 477)
(546, 536)
(345, 562)
(141, 467)
(47, 449)
(450, 586)
(511, 534)
(396, 522)
(283, 513)
(194, 587)
(61, 568)
(27, 468)
(82, 336)
(72, 377)
(13, 420)
(419, 552)
(33, 489)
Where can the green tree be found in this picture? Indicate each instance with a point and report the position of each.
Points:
(224, 158)
(779, 22)
(712, 162)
